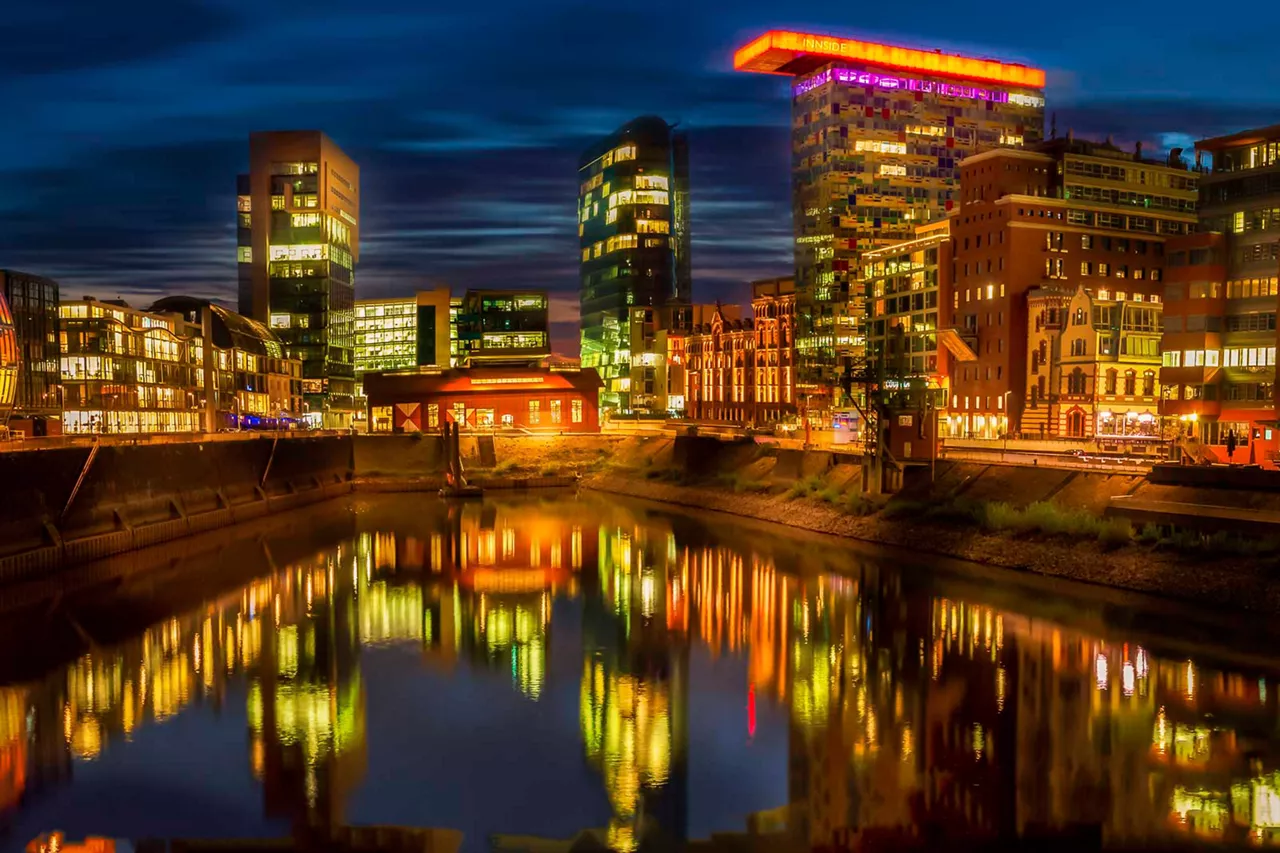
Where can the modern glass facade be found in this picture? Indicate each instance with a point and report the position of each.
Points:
(503, 325)
(906, 286)
(878, 134)
(8, 362)
(130, 371)
(124, 371)
(386, 334)
(298, 216)
(33, 301)
(254, 384)
(1223, 294)
(409, 331)
(633, 228)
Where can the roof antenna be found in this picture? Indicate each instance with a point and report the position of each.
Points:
(1053, 125)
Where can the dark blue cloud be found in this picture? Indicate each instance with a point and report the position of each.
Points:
(127, 123)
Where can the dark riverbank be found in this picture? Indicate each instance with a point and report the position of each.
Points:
(1246, 583)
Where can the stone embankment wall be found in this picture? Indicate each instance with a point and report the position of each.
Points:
(69, 505)
(72, 504)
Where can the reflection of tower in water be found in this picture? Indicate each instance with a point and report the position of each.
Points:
(855, 706)
(500, 568)
(634, 692)
(306, 701)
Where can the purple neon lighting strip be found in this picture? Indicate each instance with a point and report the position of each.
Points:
(906, 84)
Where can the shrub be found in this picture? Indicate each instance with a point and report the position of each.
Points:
(1114, 533)
(804, 488)
(506, 466)
(1150, 534)
(1053, 520)
(860, 504)
(740, 483)
(830, 495)
(549, 470)
(1000, 517)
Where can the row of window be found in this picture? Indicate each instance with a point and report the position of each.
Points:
(1130, 174)
(485, 417)
(1127, 198)
(1104, 269)
(1229, 357)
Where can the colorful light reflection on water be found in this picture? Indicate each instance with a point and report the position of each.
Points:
(559, 666)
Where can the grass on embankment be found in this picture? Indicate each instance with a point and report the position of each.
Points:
(1043, 519)
(1053, 521)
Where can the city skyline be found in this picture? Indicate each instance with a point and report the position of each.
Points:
(121, 133)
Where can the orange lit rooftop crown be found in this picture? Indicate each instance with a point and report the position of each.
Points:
(781, 52)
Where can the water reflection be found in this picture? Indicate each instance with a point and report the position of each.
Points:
(918, 703)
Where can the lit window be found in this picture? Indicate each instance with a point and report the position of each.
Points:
(611, 216)
(244, 204)
(625, 152)
(535, 413)
(652, 197)
(575, 411)
(621, 241)
(556, 415)
(653, 226)
(279, 321)
(301, 252)
(277, 202)
(244, 254)
(880, 147)
(651, 182)
(894, 171)
(304, 220)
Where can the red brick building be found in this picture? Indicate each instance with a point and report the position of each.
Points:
(484, 398)
(743, 370)
(720, 378)
(773, 308)
(1070, 214)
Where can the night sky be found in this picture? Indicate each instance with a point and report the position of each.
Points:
(126, 123)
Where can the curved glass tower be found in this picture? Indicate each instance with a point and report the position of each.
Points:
(8, 361)
(633, 225)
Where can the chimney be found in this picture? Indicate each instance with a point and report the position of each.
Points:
(1071, 134)
(1137, 150)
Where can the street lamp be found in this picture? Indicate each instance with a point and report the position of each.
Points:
(1005, 452)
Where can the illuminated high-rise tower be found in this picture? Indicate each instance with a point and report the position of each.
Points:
(298, 244)
(633, 225)
(878, 133)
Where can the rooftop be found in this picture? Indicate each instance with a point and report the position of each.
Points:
(791, 54)
(1243, 137)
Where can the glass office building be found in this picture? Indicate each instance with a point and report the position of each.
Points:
(253, 384)
(126, 371)
(633, 229)
(878, 135)
(503, 325)
(299, 241)
(403, 332)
